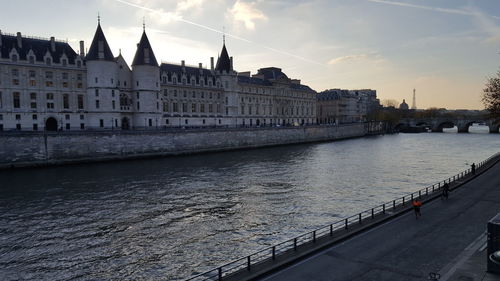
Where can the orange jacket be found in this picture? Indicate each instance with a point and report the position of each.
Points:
(416, 203)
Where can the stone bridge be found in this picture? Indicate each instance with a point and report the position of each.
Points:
(439, 123)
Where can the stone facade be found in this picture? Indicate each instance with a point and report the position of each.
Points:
(338, 106)
(46, 85)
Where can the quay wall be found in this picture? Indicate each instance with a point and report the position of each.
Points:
(38, 149)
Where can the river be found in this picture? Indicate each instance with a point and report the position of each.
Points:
(164, 219)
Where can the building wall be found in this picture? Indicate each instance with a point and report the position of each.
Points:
(43, 91)
(29, 149)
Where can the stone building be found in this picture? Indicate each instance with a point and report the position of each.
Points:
(403, 105)
(46, 85)
(337, 106)
(42, 84)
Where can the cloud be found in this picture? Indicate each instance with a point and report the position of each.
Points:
(160, 13)
(370, 56)
(246, 13)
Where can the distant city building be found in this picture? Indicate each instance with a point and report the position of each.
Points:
(46, 85)
(337, 106)
(403, 105)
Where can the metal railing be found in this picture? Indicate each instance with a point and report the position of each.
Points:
(339, 227)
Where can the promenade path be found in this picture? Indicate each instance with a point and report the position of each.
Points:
(447, 237)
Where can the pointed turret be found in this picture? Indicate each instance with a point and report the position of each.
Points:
(144, 54)
(99, 49)
(223, 62)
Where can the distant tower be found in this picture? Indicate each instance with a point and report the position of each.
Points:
(414, 104)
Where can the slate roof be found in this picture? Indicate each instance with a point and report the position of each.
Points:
(273, 73)
(189, 71)
(144, 54)
(333, 94)
(39, 47)
(253, 80)
(223, 62)
(106, 53)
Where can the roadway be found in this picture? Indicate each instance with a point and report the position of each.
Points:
(409, 249)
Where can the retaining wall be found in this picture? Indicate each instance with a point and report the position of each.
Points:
(36, 149)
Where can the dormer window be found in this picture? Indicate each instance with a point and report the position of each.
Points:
(31, 59)
(79, 63)
(48, 61)
(64, 62)
(14, 58)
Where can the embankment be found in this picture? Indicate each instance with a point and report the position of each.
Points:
(40, 149)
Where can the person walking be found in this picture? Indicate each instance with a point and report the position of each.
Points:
(416, 207)
(446, 190)
(473, 168)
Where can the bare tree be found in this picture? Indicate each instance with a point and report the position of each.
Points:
(390, 103)
(491, 96)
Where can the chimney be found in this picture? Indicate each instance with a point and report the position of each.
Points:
(183, 63)
(200, 65)
(52, 44)
(19, 40)
(82, 49)
(231, 66)
(212, 63)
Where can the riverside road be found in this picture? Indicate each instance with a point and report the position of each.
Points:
(409, 249)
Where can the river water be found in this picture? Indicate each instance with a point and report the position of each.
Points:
(165, 219)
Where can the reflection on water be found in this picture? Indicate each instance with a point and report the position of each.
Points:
(164, 219)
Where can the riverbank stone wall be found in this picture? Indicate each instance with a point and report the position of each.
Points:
(39, 149)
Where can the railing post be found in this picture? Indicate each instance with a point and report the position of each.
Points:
(274, 252)
(331, 229)
(359, 218)
(383, 208)
(432, 188)
(426, 191)
(412, 197)
(373, 215)
(393, 204)
(419, 193)
(295, 244)
(248, 263)
(314, 236)
(346, 224)
(403, 200)
(219, 270)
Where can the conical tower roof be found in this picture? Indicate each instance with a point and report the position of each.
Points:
(99, 49)
(144, 54)
(223, 62)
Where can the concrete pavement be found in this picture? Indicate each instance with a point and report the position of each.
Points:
(445, 240)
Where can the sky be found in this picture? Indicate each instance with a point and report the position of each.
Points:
(445, 49)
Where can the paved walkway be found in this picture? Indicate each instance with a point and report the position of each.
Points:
(448, 239)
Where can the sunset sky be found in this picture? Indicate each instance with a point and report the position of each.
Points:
(444, 48)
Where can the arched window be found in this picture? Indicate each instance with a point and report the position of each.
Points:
(48, 61)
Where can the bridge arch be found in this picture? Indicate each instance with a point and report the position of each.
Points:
(438, 127)
(400, 126)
